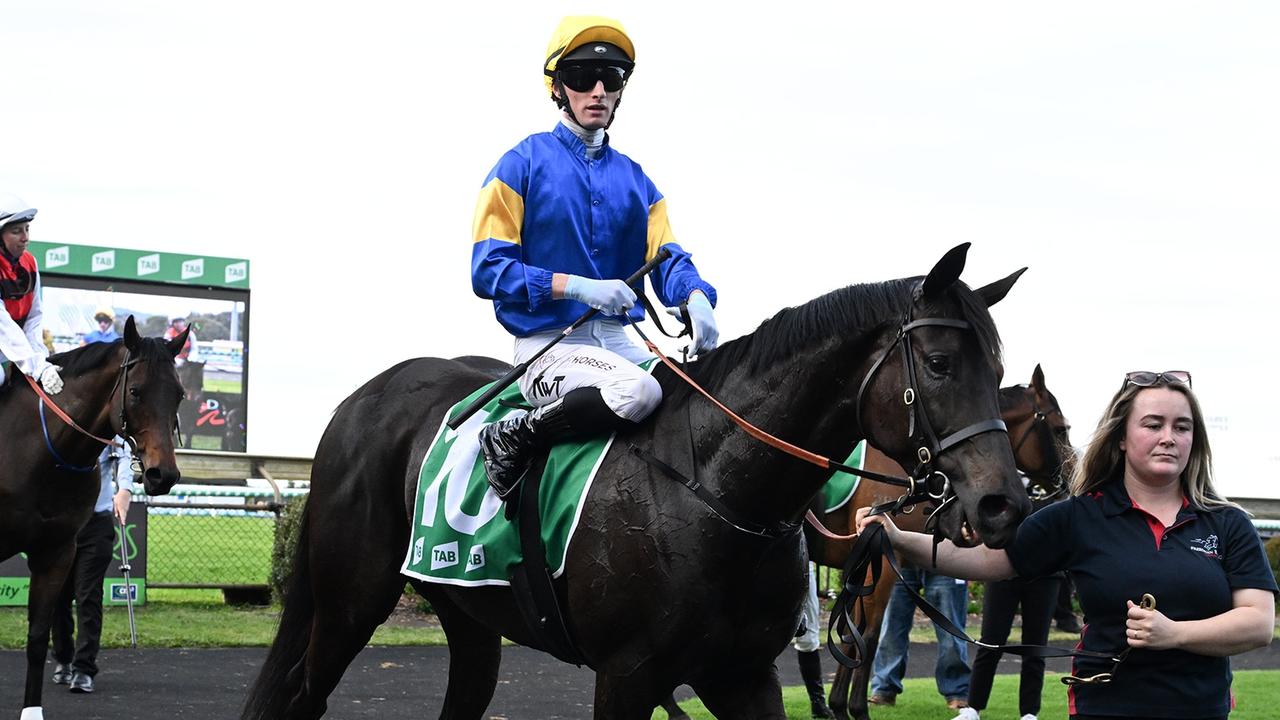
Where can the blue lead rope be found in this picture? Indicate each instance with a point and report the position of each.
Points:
(60, 463)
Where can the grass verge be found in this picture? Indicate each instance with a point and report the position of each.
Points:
(1255, 692)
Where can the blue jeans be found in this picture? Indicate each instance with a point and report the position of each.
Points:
(951, 597)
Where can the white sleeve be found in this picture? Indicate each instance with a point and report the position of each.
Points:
(34, 330)
(14, 345)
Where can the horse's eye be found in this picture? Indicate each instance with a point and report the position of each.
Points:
(938, 364)
(135, 393)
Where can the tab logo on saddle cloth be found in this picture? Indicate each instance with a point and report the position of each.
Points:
(460, 534)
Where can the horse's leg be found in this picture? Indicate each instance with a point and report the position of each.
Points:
(848, 697)
(673, 709)
(354, 592)
(49, 568)
(629, 697)
(475, 653)
(750, 695)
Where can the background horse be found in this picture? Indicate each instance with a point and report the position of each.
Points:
(823, 375)
(1038, 434)
(49, 480)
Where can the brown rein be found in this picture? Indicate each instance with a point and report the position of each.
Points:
(48, 401)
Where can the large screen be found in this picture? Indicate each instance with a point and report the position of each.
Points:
(211, 364)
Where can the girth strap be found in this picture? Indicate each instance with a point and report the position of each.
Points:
(531, 580)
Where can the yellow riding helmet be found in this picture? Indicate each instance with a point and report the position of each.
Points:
(104, 312)
(578, 30)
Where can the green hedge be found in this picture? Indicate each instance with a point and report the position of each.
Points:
(1272, 547)
(286, 542)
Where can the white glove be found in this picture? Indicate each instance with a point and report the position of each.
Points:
(50, 380)
(611, 297)
(703, 322)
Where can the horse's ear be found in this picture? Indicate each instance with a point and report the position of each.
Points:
(946, 272)
(174, 346)
(131, 337)
(1037, 379)
(995, 292)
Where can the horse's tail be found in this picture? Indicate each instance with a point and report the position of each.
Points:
(281, 675)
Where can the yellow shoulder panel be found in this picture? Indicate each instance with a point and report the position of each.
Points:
(499, 213)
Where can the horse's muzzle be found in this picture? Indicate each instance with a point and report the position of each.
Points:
(160, 480)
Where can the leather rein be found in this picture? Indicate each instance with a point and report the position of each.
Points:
(43, 400)
(925, 482)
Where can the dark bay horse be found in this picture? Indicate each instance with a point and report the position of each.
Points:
(1038, 435)
(49, 480)
(658, 590)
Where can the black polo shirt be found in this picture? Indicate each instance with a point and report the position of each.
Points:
(1116, 551)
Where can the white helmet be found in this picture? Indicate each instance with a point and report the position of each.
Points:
(13, 209)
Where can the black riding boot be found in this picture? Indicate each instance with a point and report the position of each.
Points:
(811, 672)
(510, 445)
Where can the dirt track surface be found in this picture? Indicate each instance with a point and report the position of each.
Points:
(390, 683)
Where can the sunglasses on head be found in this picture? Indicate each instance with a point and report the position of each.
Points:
(583, 78)
(1146, 378)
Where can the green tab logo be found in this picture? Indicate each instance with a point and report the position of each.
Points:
(149, 264)
(192, 268)
(57, 257)
(104, 261)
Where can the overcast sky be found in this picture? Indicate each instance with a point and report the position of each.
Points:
(1126, 152)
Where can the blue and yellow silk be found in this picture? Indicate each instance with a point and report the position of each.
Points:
(546, 207)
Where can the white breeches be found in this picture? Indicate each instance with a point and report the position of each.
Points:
(598, 354)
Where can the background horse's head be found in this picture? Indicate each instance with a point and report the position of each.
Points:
(144, 410)
(939, 378)
(1040, 434)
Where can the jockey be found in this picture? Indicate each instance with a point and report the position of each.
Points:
(21, 341)
(561, 219)
(106, 332)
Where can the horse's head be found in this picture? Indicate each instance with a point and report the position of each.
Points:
(1039, 433)
(930, 401)
(144, 409)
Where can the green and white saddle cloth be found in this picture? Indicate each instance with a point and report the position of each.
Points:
(841, 487)
(460, 533)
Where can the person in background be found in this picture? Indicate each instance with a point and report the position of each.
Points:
(562, 219)
(177, 324)
(808, 647)
(1000, 602)
(76, 660)
(106, 331)
(951, 670)
(1143, 520)
(21, 336)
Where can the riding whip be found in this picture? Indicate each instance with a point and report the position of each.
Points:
(519, 370)
(124, 557)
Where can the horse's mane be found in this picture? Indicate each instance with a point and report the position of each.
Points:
(80, 360)
(851, 310)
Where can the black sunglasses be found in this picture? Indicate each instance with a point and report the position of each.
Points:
(583, 78)
(1146, 378)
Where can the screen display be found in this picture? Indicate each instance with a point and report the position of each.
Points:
(211, 364)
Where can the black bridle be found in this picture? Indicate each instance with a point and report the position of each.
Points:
(1049, 482)
(121, 382)
(925, 482)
